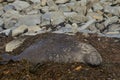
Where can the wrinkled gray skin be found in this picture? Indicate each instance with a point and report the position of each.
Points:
(58, 48)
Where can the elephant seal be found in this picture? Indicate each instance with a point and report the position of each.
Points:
(60, 48)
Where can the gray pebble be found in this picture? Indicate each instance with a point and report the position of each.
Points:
(20, 5)
(29, 20)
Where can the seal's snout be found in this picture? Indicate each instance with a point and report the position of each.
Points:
(93, 59)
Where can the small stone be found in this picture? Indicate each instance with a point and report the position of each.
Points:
(33, 29)
(93, 15)
(14, 44)
(20, 5)
(43, 2)
(112, 10)
(93, 28)
(75, 27)
(10, 1)
(81, 10)
(10, 13)
(1, 22)
(74, 17)
(10, 18)
(29, 20)
(86, 25)
(45, 9)
(67, 28)
(33, 12)
(46, 19)
(99, 26)
(85, 34)
(78, 68)
(114, 28)
(111, 20)
(61, 1)
(113, 33)
(64, 8)
(53, 18)
(8, 7)
(1, 12)
(82, 2)
(19, 30)
(97, 6)
(70, 5)
(57, 17)
(35, 1)
(52, 5)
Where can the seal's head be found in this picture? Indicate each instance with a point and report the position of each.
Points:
(89, 55)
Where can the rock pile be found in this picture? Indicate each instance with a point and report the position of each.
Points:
(31, 17)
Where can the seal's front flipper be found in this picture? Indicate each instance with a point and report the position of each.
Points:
(5, 58)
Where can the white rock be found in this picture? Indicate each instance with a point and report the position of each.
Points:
(20, 5)
(46, 19)
(14, 44)
(70, 5)
(68, 29)
(64, 7)
(75, 28)
(55, 18)
(29, 20)
(33, 12)
(52, 5)
(19, 30)
(1, 22)
(81, 10)
(94, 15)
(10, 0)
(111, 20)
(10, 13)
(8, 7)
(68, 14)
(86, 25)
(42, 30)
(43, 2)
(83, 2)
(35, 1)
(33, 29)
(74, 17)
(114, 28)
(45, 9)
(113, 33)
(10, 18)
(97, 6)
(1, 12)
(61, 1)
(112, 10)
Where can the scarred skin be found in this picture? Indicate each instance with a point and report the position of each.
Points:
(59, 48)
